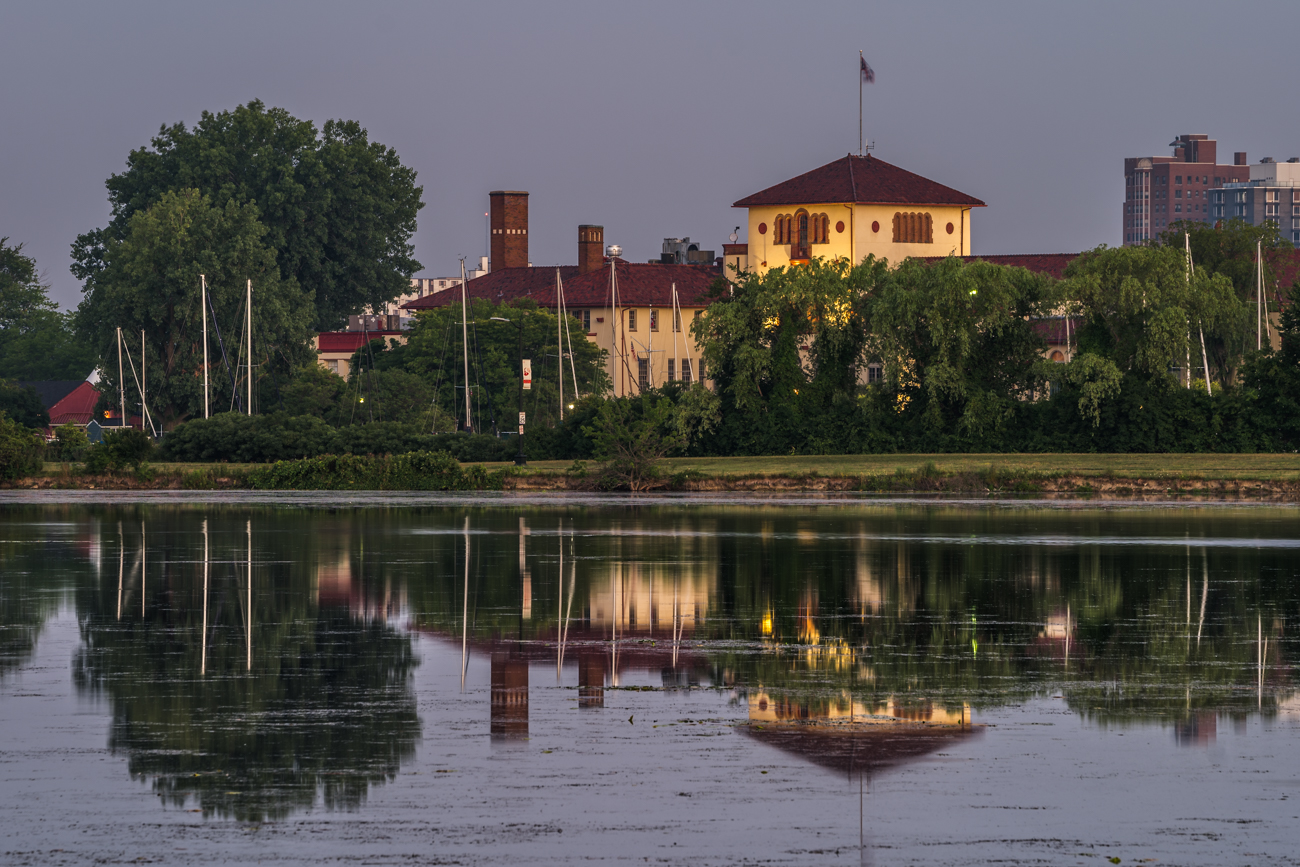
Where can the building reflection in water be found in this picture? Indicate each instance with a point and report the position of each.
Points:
(509, 695)
(853, 738)
(591, 680)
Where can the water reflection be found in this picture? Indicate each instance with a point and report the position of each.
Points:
(234, 686)
(257, 660)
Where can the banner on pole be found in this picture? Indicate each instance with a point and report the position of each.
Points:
(528, 374)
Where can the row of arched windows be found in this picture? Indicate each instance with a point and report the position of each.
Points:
(802, 228)
(912, 228)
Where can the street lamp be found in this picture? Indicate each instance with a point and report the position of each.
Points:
(519, 456)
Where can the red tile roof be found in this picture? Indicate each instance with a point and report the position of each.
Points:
(1051, 264)
(498, 286)
(866, 180)
(349, 341)
(76, 407)
(644, 285)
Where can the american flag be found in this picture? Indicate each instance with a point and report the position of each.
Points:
(868, 75)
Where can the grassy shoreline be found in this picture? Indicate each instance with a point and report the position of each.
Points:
(1272, 477)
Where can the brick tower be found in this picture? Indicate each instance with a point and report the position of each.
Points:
(509, 224)
(591, 248)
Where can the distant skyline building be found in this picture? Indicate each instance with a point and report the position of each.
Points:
(1272, 193)
(1163, 190)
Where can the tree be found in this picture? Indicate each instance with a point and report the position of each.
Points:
(21, 450)
(339, 210)
(1275, 378)
(1143, 312)
(632, 434)
(23, 405)
(957, 340)
(36, 339)
(149, 280)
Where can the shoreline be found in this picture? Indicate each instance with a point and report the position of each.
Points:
(994, 482)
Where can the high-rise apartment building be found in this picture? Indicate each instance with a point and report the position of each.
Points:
(1272, 194)
(1163, 190)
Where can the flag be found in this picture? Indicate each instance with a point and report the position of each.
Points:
(868, 74)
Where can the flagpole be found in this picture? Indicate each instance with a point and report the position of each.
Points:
(861, 60)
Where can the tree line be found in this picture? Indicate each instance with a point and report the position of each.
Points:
(320, 220)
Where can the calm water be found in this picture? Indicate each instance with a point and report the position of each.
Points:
(405, 679)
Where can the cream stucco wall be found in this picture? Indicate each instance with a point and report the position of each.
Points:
(858, 240)
(625, 346)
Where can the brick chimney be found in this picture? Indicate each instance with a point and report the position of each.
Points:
(591, 248)
(1239, 158)
(509, 224)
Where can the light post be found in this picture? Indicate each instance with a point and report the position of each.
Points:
(520, 460)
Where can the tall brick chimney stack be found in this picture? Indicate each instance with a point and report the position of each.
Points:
(591, 248)
(509, 224)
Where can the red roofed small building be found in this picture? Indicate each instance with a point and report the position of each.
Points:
(851, 208)
(334, 349)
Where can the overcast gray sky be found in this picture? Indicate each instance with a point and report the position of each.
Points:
(651, 118)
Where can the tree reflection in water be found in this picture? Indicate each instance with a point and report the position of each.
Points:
(1133, 616)
(250, 721)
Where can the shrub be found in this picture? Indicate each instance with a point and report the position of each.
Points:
(121, 450)
(413, 471)
(21, 450)
(70, 443)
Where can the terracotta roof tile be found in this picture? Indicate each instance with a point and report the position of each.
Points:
(350, 341)
(866, 180)
(645, 285)
(77, 406)
(1051, 264)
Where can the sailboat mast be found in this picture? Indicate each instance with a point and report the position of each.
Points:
(1259, 297)
(464, 342)
(121, 376)
(144, 384)
(1205, 358)
(203, 302)
(249, 317)
(559, 341)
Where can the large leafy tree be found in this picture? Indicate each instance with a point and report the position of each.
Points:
(149, 280)
(36, 338)
(1144, 313)
(339, 209)
(958, 342)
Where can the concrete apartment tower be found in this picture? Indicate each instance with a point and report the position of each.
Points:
(509, 225)
(591, 248)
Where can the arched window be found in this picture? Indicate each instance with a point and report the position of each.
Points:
(778, 229)
(802, 231)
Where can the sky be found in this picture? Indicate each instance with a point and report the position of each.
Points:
(650, 118)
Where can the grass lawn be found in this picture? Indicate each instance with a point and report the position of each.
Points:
(1274, 467)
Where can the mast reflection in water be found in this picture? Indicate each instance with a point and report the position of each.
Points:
(241, 687)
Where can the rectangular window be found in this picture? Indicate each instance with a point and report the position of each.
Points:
(654, 319)
(1295, 236)
(686, 371)
(1178, 208)
(1178, 194)
(631, 320)
(1271, 195)
(1295, 210)
(1295, 222)
(677, 320)
(672, 370)
(643, 373)
(1295, 195)
(584, 316)
(1178, 179)
(875, 373)
(1270, 210)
